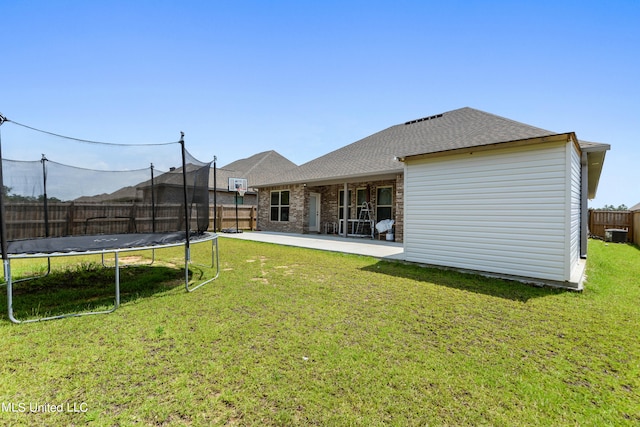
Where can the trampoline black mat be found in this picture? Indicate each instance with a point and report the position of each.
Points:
(103, 242)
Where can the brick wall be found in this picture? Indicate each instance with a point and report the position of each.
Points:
(297, 207)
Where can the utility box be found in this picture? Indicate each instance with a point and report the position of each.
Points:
(615, 235)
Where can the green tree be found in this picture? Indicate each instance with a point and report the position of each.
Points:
(621, 207)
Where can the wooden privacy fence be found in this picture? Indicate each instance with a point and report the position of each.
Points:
(599, 221)
(26, 220)
(226, 217)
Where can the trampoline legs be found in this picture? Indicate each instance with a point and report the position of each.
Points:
(6, 269)
(116, 303)
(8, 278)
(214, 263)
(25, 279)
(153, 259)
(190, 287)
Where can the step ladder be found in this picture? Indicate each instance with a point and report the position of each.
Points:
(365, 217)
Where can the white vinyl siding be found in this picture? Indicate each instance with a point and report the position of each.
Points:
(575, 206)
(499, 211)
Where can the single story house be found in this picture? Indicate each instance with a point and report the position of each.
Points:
(466, 189)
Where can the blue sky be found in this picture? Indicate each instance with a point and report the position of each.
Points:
(305, 78)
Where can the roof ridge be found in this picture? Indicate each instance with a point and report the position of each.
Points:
(509, 120)
(268, 153)
(245, 160)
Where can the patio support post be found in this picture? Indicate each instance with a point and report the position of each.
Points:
(345, 210)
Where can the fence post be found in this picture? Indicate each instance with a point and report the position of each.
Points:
(254, 218)
(226, 217)
(71, 211)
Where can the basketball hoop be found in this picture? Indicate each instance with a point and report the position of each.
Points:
(238, 186)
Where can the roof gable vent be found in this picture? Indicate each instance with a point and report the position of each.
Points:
(423, 119)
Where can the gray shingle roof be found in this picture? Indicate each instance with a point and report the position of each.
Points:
(593, 146)
(375, 154)
(464, 128)
(259, 168)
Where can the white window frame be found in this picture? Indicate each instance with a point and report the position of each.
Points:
(378, 205)
(279, 206)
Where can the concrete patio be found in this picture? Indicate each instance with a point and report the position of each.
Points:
(359, 246)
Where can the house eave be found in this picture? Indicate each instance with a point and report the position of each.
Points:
(561, 137)
(595, 154)
(368, 176)
(595, 160)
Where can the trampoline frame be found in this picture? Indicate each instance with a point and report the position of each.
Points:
(190, 287)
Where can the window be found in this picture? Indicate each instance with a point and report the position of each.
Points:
(384, 206)
(361, 198)
(341, 204)
(280, 205)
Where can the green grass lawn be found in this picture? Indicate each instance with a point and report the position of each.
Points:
(290, 336)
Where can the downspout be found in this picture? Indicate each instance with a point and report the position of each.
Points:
(584, 210)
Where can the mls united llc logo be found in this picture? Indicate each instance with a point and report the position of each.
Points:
(34, 407)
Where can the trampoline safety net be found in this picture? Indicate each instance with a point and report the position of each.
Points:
(83, 187)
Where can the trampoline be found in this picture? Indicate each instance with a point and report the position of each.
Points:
(49, 209)
(94, 243)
